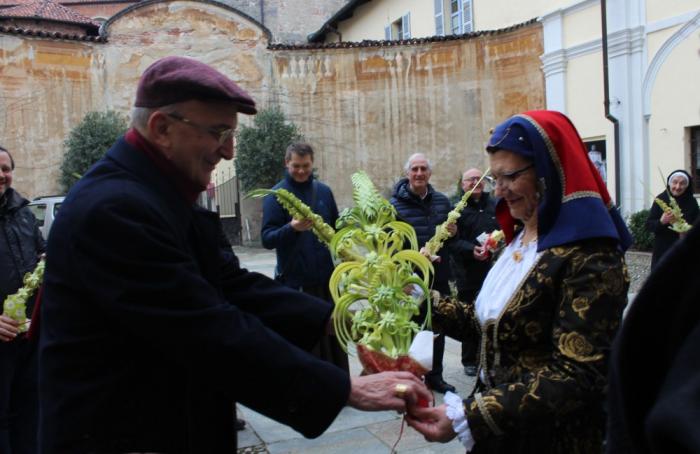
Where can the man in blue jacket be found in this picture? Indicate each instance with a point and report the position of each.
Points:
(303, 263)
(418, 204)
(150, 333)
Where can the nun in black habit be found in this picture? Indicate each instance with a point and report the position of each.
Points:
(679, 185)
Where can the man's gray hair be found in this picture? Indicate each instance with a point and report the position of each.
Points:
(140, 115)
(414, 156)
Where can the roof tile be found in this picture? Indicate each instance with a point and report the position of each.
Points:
(49, 10)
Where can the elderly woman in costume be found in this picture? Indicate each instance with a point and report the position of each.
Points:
(679, 186)
(550, 306)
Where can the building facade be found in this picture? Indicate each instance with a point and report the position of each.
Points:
(653, 65)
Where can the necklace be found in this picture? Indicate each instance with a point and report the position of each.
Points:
(521, 248)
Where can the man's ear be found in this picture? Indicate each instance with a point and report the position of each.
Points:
(159, 130)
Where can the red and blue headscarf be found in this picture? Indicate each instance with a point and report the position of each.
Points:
(575, 204)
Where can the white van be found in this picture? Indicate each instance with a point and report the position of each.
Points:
(45, 209)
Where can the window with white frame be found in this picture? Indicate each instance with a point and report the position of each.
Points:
(453, 16)
(399, 29)
(439, 18)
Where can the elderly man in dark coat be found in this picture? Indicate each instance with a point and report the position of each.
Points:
(150, 332)
(419, 204)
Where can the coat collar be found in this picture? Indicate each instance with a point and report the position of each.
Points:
(143, 168)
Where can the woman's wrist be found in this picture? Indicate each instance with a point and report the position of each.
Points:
(455, 411)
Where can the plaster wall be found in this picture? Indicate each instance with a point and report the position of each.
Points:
(495, 14)
(370, 108)
(46, 86)
(664, 9)
(675, 102)
(582, 25)
(584, 96)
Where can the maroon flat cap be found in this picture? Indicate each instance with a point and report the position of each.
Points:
(176, 79)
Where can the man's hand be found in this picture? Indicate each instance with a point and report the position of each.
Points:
(301, 225)
(668, 218)
(432, 422)
(9, 328)
(452, 229)
(481, 253)
(379, 391)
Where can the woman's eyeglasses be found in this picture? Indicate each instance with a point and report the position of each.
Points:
(506, 179)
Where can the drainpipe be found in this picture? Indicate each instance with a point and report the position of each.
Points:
(262, 12)
(606, 91)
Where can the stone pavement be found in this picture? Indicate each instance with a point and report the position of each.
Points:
(353, 431)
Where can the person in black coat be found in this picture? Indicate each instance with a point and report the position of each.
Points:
(21, 244)
(679, 185)
(150, 330)
(471, 264)
(424, 208)
(654, 376)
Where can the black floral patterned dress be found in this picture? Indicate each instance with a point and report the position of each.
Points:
(544, 360)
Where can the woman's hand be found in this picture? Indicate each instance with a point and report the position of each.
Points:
(668, 218)
(481, 253)
(9, 328)
(432, 422)
(432, 258)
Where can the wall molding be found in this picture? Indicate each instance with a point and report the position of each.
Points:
(658, 61)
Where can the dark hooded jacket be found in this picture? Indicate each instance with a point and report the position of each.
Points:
(301, 258)
(20, 241)
(424, 215)
(664, 237)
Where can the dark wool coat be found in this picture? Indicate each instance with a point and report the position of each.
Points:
(476, 218)
(424, 215)
(150, 334)
(21, 244)
(301, 259)
(654, 390)
(664, 237)
(545, 357)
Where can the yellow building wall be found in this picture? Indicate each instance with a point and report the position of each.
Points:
(368, 20)
(582, 26)
(675, 105)
(657, 39)
(584, 96)
(495, 14)
(663, 9)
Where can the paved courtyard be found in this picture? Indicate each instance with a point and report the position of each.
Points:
(355, 431)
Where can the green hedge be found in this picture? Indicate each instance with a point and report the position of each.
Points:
(643, 239)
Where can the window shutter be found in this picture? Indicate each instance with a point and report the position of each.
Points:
(406, 26)
(467, 19)
(439, 18)
(387, 32)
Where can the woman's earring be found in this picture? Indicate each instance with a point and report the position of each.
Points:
(541, 188)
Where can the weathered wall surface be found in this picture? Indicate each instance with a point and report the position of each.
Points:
(370, 108)
(363, 108)
(289, 20)
(46, 86)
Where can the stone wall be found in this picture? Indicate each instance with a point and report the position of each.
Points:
(362, 107)
(46, 87)
(370, 108)
(289, 20)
